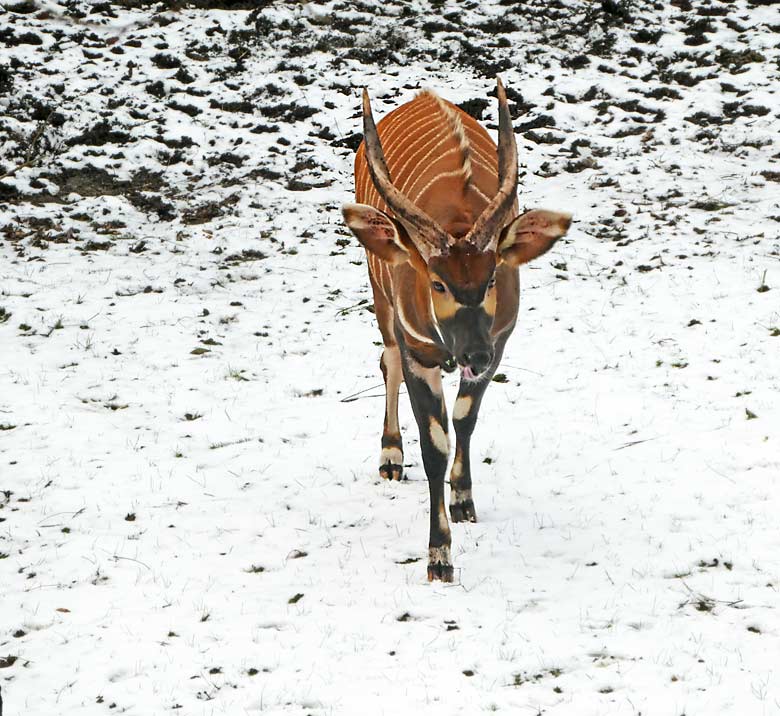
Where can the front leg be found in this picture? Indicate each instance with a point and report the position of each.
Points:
(464, 418)
(425, 394)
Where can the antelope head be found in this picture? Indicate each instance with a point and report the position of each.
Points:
(460, 276)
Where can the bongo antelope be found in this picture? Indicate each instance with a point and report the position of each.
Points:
(437, 214)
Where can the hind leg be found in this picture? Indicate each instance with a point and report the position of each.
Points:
(391, 460)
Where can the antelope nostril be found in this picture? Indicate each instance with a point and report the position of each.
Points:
(478, 360)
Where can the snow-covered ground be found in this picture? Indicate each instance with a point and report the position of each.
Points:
(190, 405)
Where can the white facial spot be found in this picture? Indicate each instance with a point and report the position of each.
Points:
(438, 437)
(462, 407)
(391, 456)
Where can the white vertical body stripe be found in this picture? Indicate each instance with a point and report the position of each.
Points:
(407, 326)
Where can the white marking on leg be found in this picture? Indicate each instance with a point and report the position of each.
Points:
(457, 469)
(462, 407)
(439, 438)
(444, 523)
(391, 456)
(439, 555)
(432, 376)
(459, 496)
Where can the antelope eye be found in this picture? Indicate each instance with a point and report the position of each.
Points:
(438, 286)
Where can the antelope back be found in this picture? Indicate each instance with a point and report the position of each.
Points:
(439, 157)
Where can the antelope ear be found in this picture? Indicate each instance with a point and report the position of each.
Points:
(376, 231)
(531, 234)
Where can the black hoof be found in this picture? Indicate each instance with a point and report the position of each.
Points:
(439, 563)
(440, 572)
(391, 472)
(463, 511)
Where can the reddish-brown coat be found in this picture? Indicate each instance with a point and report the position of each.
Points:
(429, 142)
